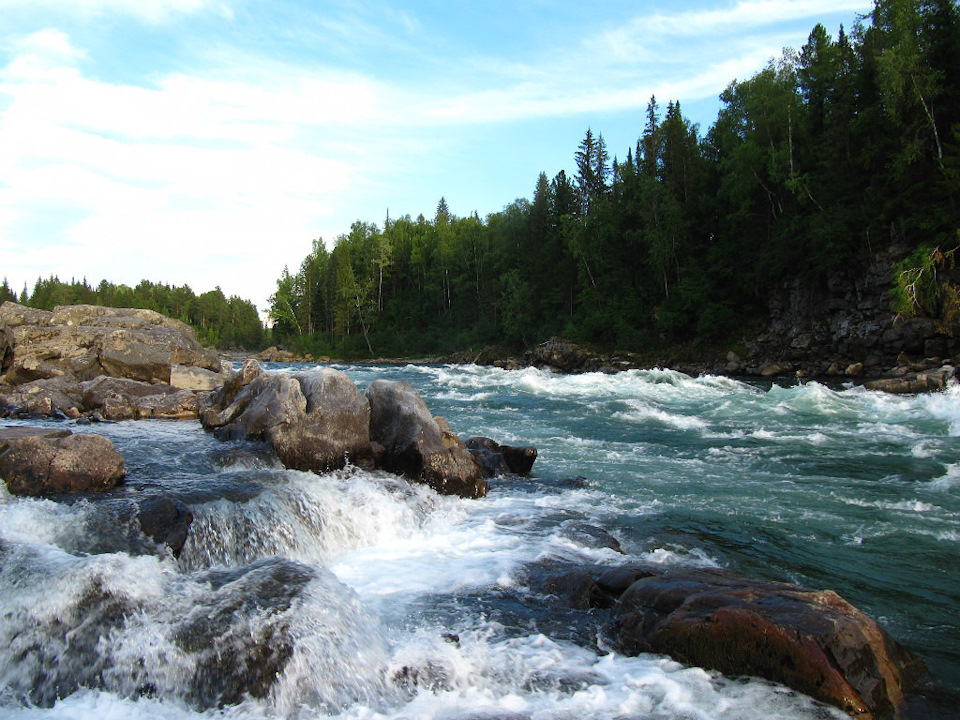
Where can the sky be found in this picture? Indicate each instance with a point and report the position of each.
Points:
(210, 142)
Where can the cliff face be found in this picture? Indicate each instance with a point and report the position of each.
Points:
(846, 326)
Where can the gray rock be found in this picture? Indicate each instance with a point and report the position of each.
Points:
(414, 442)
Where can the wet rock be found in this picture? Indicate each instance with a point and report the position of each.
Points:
(240, 635)
(904, 381)
(44, 463)
(496, 459)
(414, 445)
(812, 641)
(166, 521)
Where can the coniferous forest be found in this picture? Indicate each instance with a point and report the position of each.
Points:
(823, 157)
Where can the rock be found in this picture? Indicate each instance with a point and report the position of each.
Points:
(812, 641)
(239, 637)
(53, 396)
(84, 341)
(907, 382)
(414, 443)
(185, 377)
(41, 463)
(854, 369)
(562, 355)
(259, 406)
(165, 520)
(334, 430)
(316, 420)
(496, 459)
(125, 399)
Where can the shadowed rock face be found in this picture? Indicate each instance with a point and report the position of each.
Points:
(42, 462)
(414, 443)
(811, 641)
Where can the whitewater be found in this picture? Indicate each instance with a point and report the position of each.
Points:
(395, 602)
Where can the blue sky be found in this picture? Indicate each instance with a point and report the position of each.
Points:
(208, 142)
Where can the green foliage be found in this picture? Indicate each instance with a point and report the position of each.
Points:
(811, 165)
(225, 323)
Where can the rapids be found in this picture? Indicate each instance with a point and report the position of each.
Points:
(380, 599)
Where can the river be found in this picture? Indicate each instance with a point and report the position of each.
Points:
(388, 601)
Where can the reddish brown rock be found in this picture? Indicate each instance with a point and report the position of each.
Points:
(43, 462)
(812, 641)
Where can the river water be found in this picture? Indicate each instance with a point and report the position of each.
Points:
(379, 599)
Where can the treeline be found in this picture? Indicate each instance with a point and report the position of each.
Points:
(221, 322)
(825, 156)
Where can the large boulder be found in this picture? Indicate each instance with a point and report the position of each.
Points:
(44, 462)
(334, 429)
(253, 403)
(416, 446)
(316, 420)
(812, 641)
(85, 341)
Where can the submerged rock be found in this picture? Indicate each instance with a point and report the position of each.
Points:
(43, 462)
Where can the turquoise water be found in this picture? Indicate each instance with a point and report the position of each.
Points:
(837, 488)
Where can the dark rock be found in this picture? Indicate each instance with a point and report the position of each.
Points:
(414, 442)
(497, 459)
(42, 463)
(812, 641)
(240, 635)
(562, 355)
(165, 520)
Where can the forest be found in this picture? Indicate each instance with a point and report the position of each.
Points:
(221, 322)
(825, 156)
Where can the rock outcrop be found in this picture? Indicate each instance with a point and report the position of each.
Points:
(40, 462)
(316, 420)
(48, 357)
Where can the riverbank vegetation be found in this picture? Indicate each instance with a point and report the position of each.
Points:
(824, 157)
